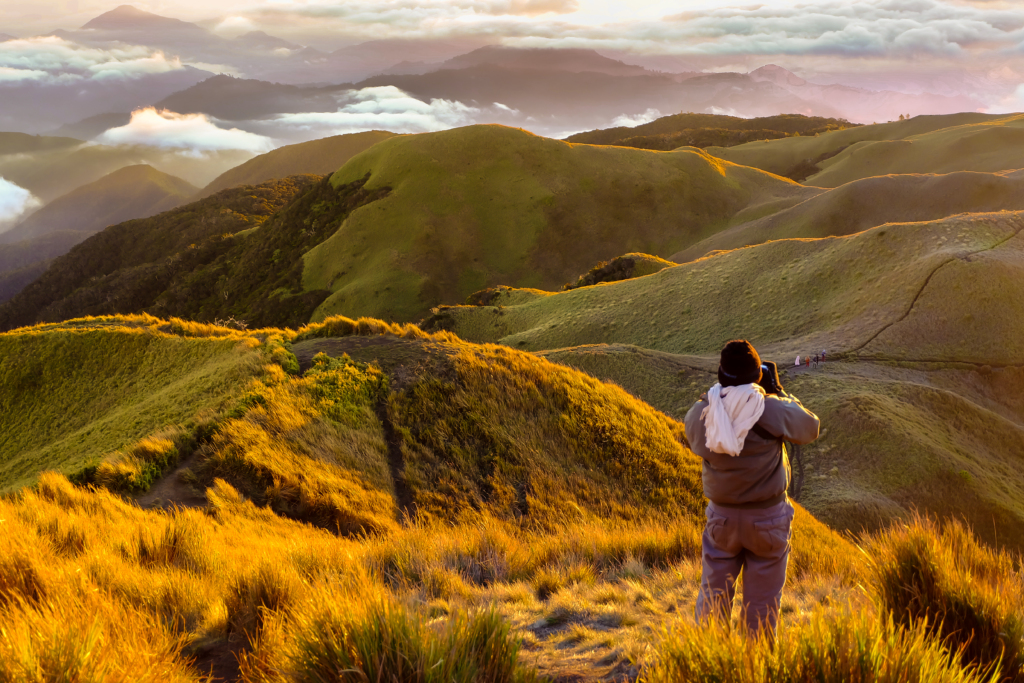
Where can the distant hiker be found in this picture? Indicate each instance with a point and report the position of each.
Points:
(738, 428)
(808, 360)
(823, 355)
(798, 360)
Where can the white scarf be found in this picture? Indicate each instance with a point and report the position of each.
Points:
(729, 415)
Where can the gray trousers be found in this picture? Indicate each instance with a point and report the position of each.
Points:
(756, 541)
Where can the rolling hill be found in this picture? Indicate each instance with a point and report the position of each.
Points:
(21, 143)
(920, 318)
(866, 203)
(131, 192)
(487, 205)
(708, 130)
(806, 159)
(129, 266)
(54, 171)
(318, 157)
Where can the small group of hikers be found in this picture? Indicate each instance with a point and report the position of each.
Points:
(739, 428)
(809, 359)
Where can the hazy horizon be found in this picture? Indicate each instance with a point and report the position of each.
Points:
(129, 77)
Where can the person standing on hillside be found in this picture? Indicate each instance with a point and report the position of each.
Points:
(738, 429)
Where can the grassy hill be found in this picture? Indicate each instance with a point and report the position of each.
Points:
(318, 157)
(22, 143)
(709, 130)
(920, 314)
(169, 260)
(803, 158)
(78, 393)
(52, 171)
(131, 192)
(561, 540)
(869, 202)
(486, 205)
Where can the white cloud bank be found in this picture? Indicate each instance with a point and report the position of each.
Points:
(50, 59)
(637, 120)
(15, 203)
(383, 108)
(193, 132)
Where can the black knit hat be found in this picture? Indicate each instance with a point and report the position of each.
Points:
(740, 364)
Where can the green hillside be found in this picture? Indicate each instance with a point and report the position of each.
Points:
(130, 192)
(22, 143)
(318, 157)
(129, 266)
(846, 293)
(802, 158)
(869, 202)
(487, 205)
(921, 318)
(51, 172)
(983, 146)
(80, 392)
(709, 130)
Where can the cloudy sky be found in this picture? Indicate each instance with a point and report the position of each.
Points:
(896, 29)
(835, 38)
(969, 48)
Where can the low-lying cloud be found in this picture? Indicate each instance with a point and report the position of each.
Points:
(193, 132)
(15, 203)
(50, 59)
(383, 108)
(636, 120)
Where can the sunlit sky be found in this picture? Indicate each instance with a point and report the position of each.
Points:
(892, 29)
(944, 46)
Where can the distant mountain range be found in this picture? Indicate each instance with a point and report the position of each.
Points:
(550, 91)
(130, 192)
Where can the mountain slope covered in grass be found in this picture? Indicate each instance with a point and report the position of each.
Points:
(708, 130)
(923, 144)
(919, 324)
(318, 157)
(487, 205)
(78, 393)
(869, 202)
(528, 521)
(128, 266)
(130, 192)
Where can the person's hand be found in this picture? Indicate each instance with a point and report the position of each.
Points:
(770, 378)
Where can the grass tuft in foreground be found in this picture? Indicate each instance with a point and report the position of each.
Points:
(967, 594)
(831, 647)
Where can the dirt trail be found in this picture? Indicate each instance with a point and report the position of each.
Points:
(171, 491)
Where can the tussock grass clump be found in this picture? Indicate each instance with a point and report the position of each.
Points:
(140, 466)
(88, 639)
(340, 326)
(388, 644)
(837, 646)
(256, 595)
(970, 595)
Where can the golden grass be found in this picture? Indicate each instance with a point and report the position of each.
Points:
(551, 526)
(833, 646)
